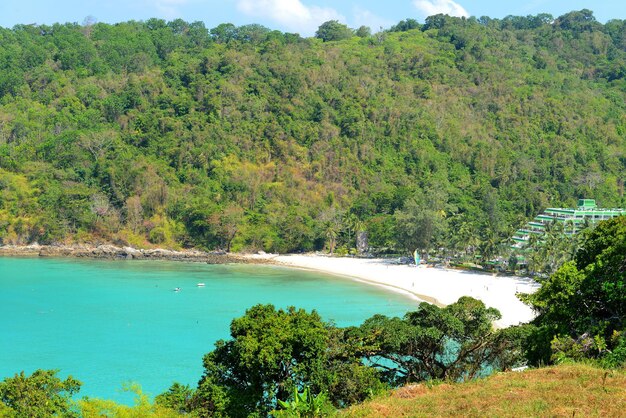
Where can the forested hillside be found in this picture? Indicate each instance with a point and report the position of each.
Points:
(451, 133)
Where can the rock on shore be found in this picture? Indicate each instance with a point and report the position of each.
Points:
(112, 252)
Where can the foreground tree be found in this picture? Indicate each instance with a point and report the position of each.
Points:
(271, 355)
(586, 297)
(274, 355)
(42, 394)
(452, 343)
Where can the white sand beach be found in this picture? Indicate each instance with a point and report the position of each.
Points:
(432, 284)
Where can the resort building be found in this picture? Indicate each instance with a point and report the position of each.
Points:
(573, 220)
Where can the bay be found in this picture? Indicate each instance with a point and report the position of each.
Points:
(108, 323)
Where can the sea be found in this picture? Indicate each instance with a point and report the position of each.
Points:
(110, 324)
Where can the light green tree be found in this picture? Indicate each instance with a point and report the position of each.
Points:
(42, 394)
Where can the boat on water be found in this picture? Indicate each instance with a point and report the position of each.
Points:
(177, 289)
(200, 285)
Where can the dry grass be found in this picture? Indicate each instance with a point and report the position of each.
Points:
(561, 391)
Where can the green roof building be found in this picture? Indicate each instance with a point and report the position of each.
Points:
(587, 213)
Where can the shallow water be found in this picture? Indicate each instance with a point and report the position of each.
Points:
(110, 322)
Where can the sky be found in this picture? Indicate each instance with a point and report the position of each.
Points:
(298, 16)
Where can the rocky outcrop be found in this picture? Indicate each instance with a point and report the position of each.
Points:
(112, 252)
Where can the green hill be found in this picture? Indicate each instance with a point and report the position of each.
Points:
(451, 133)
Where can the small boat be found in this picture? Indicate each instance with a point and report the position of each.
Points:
(200, 285)
(177, 289)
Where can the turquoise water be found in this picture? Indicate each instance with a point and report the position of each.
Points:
(110, 322)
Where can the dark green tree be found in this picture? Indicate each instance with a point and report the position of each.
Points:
(178, 398)
(453, 343)
(333, 31)
(363, 32)
(420, 224)
(271, 355)
(224, 33)
(405, 25)
(587, 296)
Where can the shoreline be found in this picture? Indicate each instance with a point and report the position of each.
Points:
(436, 285)
(387, 286)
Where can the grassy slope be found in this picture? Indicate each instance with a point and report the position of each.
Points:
(567, 390)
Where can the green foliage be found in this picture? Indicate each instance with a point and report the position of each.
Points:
(178, 398)
(405, 25)
(271, 353)
(42, 394)
(588, 294)
(559, 301)
(566, 348)
(292, 363)
(333, 31)
(96, 408)
(547, 253)
(270, 356)
(617, 356)
(304, 405)
(420, 225)
(363, 32)
(451, 343)
(583, 303)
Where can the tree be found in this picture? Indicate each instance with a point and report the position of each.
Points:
(224, 33)
(578, 21)
(134, 213)
(274, 353)
(330, 222)
(363, 32)
(419, 225)
(178, 397)
(451, 343)
(271, 353)
(97, 143)
(587, 296)
(463, 236)
(332, 30)
(88, 23)
(226, 223)
(253, 33)
(405, 25)
(42, 394)
(488, 247)
(100, 205)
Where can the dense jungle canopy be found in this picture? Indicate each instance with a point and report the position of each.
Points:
(449, 133)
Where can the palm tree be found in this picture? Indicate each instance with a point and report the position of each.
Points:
(331, 232)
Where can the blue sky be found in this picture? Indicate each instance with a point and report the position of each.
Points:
(301, 16)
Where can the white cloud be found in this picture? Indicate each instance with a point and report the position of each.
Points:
(433, 7)
(291, 14)
(367, 18)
